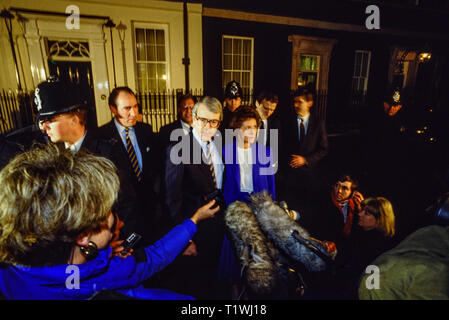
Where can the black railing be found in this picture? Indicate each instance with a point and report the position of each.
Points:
(160, 108)
(16, 110)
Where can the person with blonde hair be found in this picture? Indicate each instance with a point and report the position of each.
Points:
(377, 213)
(56, 227)
(372, 236)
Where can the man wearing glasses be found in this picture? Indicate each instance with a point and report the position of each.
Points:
(186, 185)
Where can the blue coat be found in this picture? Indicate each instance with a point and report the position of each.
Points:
(264, 164)
(123, 275)
(229, 266)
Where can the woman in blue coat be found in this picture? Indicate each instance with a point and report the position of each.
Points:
(250, 168)
(56, 228)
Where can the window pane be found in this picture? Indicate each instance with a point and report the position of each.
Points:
(308, 63)
(141, 70)
(245, 79)
(140, 35)
(140, 44)
(140, 50)
(160, 39)
(141, 84)
(150, 37)
(236, 65)
(152, 85)
(227, 61)
(246, 62)
(247, 47)
(161, 74)
(151, 53)
(237, 46)
(227, 45)
(226, 77)
(160, 53)
(162, 85)
(236, 76)
(151, 70)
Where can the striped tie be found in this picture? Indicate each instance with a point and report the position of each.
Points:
(132, 156)
(210, 163)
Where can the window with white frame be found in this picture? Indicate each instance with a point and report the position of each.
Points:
(152, 67)
(237, 61)
(361, 71)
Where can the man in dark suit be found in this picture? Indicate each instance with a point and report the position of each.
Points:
(305, 144)
(135, 150)
(266, 104)
(269, 133)
(62, 116)
(194, 169)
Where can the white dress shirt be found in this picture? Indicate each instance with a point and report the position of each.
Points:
(305, 123)
(185, 127)
(245, 157)
(77, 145)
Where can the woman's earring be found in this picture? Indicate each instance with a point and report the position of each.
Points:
(90, 252)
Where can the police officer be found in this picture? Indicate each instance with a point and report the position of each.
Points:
(62, 115)
(232, 100)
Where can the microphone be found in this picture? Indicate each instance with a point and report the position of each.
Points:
(278, 227)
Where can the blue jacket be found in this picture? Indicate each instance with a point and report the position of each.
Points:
(264, 164)
(123, 275)
(229, 266)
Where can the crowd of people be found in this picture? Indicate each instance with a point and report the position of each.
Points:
(63, 205)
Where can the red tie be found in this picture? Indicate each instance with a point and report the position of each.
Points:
(302, 132)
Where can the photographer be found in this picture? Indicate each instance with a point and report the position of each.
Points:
(55, 213)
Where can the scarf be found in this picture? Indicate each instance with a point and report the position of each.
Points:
(351, 211)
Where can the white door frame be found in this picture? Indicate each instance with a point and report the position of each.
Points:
(40, 27)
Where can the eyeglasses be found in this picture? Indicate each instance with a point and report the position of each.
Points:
(212, 123)
(187, 107)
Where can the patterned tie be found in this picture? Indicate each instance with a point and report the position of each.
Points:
(132, 156)
(210, 163)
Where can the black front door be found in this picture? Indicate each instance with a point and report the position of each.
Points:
(78, 73)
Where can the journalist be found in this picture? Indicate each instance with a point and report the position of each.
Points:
(56, 226)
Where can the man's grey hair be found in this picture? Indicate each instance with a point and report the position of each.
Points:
(212, 104)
